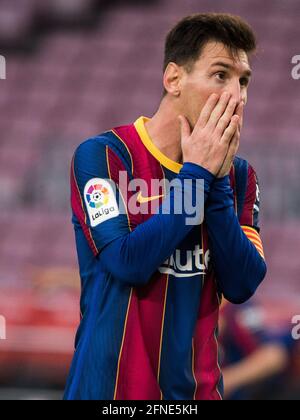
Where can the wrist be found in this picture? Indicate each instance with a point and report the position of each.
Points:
(221, 193)
(221, 185)
(195, 171)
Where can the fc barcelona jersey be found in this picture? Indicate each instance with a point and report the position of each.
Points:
(156, 340)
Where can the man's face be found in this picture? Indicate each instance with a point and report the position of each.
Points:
(216, 71)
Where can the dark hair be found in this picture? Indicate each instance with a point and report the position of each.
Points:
(185, 42)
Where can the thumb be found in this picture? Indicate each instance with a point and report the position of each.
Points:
(184, 127)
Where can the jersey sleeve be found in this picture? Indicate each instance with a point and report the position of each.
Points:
(249, 219)
(239, 267)
(96, 201)
(120, 244)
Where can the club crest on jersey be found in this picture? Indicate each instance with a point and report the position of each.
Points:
(186, 263)
(100, 200)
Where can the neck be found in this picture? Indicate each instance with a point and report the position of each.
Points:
(164, 131)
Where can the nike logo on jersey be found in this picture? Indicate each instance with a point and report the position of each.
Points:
(143, 200)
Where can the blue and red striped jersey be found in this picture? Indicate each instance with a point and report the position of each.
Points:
(151, 288)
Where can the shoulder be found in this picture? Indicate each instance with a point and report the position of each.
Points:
(245, 186)
(243, 174)
(242, 167)
(93, 148)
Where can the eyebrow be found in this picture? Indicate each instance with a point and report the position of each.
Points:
(230, 67)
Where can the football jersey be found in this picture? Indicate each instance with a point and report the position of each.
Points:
(156, 340)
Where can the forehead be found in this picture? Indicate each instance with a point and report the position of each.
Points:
(215, 52)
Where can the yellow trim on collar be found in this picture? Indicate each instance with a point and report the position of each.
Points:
(164, 160)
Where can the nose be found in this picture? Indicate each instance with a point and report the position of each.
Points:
(237, 93)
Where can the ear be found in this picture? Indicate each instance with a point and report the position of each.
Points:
(172, 79)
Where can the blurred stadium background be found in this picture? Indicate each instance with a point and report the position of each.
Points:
(74, 69)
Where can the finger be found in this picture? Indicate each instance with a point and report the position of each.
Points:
(240, 109)
(240, 112)
(219, 110)
(184, 127)
(230, 130)
(232, 151)
(226, 118)
(207, 110)
(234, 144)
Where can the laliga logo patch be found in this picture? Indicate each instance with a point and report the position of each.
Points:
(100, 201)
(97, 196)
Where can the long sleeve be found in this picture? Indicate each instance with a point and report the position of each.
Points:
(134, 257)
(130, 255)
(237, 251)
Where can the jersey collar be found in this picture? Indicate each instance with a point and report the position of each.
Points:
(150, 146)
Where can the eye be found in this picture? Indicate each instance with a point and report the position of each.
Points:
(221, 75)
(244, 81)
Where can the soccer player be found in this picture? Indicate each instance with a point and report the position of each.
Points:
(151, 282)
